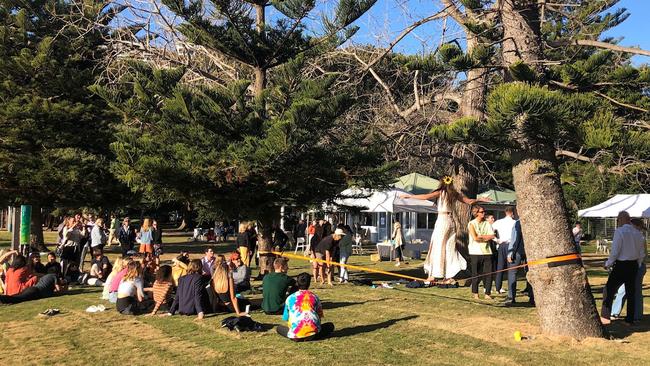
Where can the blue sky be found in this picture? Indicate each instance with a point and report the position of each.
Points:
(389, 17)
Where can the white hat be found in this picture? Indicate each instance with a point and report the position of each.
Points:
(339, 232)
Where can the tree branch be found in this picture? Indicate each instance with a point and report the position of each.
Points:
(599, 44)
(404, 33)
(621, 104)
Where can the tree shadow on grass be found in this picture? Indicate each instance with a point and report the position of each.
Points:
(360, 329)
(472, 301)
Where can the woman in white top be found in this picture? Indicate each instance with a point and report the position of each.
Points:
(130, 293)
(480, 252)
(443, 260)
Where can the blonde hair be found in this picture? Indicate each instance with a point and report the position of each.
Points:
(99, 222)
(242, 226)
(220, 278)
(145, 225)
(118, 265)
(133, 272)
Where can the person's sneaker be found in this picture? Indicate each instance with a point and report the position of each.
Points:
(502, 291)
(398, 264)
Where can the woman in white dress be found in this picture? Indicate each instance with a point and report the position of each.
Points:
(443, 260)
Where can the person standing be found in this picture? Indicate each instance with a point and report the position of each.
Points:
(345, 248)
(299, 230)
(516, 257)
(398, 241)
(577, 236)
(443, 260)
(503, 231)
(126, 236)
(324, 252)
(146, 237)
(114, 225)
(480, 253)
(620, 295)
(97, 235)
(156, 234)
(627, 255)
(243, 243)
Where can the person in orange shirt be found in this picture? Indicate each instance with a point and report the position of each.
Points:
(18, 275)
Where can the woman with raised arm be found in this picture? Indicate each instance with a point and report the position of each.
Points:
(443, 260)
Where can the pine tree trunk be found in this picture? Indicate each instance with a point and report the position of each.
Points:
(465, 177)
(260, 70)
(265, 240)
(36, 229)
(562, 294)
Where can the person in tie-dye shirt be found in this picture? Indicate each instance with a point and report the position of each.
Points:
(302, 312)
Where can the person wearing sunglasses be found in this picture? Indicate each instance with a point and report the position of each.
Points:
(480, 253)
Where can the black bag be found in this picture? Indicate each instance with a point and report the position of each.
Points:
(242, 324)
(415, 284)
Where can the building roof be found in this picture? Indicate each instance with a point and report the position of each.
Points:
(504, 196)
(416, 183)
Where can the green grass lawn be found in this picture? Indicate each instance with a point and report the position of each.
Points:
(378, 326)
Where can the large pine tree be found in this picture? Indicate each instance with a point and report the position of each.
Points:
(246, 148)
(55, 133)
(582, 107)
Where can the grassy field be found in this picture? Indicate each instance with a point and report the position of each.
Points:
(377, 326)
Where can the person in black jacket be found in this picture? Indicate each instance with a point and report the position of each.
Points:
(188, 299)
(126, 236)
(156, 233)
(280, 238)
(516, 257)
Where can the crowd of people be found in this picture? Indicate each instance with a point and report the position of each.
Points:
(139, 284)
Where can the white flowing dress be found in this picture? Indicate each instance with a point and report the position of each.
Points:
(443, 260)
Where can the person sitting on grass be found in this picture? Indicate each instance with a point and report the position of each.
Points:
(162, 289)
(115, 283)
(303, 313)
(149, 267)
(224, 287)
(179, 267)
(45, 287)
(276, 286)
(52, 266)
(118, 266)
(35, 262)
(100, 268)
(18, 276)
(188, 295)
(241, 274)
(130, 294)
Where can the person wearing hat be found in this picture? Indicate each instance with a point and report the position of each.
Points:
(324, 251)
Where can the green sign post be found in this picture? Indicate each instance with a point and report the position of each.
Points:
(25, 225)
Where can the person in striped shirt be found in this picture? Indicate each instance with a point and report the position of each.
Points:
(162, 289)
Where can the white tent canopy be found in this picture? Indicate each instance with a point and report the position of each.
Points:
(637, 205)
(383, 201)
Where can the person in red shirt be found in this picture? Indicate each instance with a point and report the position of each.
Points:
(18, 276)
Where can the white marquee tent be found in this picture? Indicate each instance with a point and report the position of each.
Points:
(637, 205)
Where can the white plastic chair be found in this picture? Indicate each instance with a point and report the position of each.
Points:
(301, 244)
